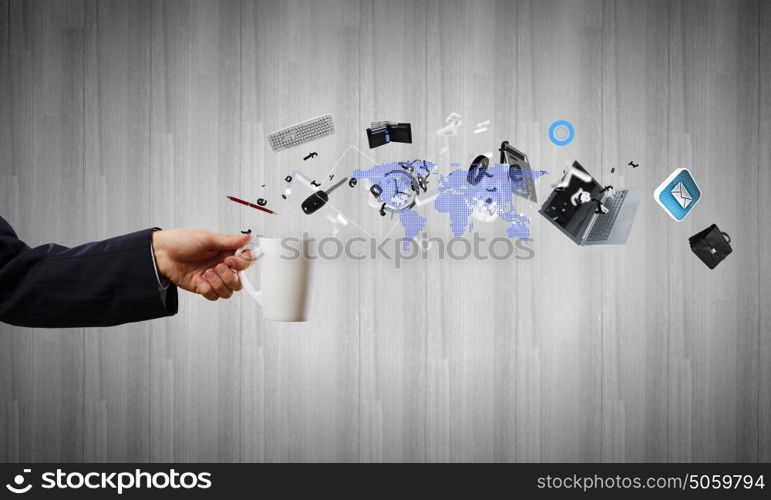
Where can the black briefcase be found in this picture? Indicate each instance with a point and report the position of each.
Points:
(711, 245)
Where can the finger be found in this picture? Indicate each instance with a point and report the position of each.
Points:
(238, 264)
(229, 241)
(202, 287)
(229, 277)
(216, 282)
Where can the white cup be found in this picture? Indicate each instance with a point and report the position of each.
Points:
(286, 274)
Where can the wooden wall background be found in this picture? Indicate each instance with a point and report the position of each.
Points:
(119, 115)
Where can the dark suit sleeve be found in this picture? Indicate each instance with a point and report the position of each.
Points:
(103, 283)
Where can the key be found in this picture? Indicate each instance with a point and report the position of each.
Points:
(319, 198)
(336, 185)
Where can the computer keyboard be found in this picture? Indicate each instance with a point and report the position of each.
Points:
(301, 133)
(603, 224)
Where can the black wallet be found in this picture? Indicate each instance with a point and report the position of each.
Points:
(401, 132)
(711, 245)
(377, 138)
(391, 132)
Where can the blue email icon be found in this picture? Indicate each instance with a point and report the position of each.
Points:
(678, 194)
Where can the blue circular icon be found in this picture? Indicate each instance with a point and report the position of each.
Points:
(561, 132)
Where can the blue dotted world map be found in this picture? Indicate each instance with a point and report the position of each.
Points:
(490, 199)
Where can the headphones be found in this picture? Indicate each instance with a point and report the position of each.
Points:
(477, 170)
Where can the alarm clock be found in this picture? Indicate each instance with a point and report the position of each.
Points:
(400, 187)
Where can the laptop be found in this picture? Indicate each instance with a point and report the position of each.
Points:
(573, 207)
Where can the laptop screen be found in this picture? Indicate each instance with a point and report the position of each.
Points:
(562, 210)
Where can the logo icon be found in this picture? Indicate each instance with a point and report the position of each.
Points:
(678, 194)
(18, 480)
(561, 132)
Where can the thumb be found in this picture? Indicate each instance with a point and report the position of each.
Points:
(223, 241)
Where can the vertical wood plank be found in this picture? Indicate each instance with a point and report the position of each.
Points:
(6, 123)
(764, 236)
(300, 397)
(506, 276)
(8, 428)
(117, 201)
(393, 320)
(680, 432)
(714, 133)
(42, 197)
(559, 76)
(195, 143)
(635, 339)
(259, 80)
(471, 344)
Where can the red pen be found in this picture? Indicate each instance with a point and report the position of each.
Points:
(242, 202)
